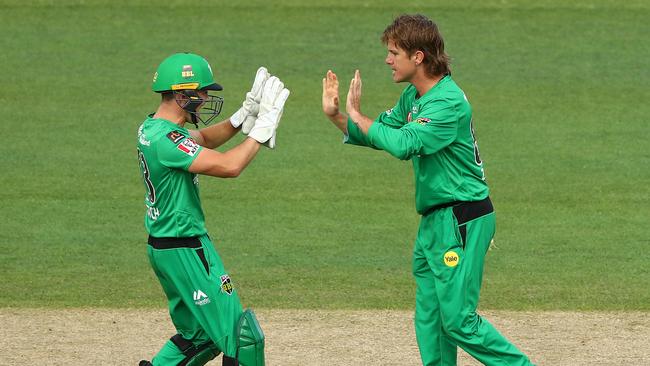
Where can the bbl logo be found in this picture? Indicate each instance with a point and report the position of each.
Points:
(187, 71)
(226, 286)
(451, 259)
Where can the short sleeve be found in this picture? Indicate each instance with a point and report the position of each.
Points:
(177, 150)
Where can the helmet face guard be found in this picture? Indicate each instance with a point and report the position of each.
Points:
(200, 109)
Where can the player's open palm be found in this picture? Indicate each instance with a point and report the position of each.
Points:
(353, 102)
(330, 94)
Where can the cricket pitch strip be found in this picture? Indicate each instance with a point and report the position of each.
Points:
(318, 337)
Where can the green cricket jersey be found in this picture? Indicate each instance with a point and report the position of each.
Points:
(165, 152)
(435, 132)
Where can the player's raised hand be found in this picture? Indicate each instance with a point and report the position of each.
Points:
(247, 114)
(272, 103)
(353, 103)
(330, 94)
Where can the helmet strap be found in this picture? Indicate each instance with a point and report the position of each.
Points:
(194, 120)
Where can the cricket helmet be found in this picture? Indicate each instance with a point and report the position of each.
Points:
(186, 74)
(184, 71)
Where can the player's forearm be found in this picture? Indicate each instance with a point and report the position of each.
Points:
(241, 155)
(225, 165)
(216, 135)
(401, 143)
(362, 121)
(340, 120)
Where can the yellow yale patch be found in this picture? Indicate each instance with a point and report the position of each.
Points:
(182, 86)
(451, 259)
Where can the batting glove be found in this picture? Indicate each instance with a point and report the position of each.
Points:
(271, 107)
(246, 115)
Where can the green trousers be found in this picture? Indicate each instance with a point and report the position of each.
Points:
(203, 304)
(448, 267)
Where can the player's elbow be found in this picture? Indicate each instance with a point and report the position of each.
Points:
(401, 154)
(231, 171)
(220, 170)
(217, 164)
(404, 155)
(234, 173)
(401, 144)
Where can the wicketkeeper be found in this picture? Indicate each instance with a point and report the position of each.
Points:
(203, 301)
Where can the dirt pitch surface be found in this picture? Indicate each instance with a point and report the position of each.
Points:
(303, 337)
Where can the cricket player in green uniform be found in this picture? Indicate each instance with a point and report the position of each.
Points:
(203, 302)
(431, 125)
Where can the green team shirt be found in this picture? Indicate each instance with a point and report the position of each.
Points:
(435, 132)
(165, 152)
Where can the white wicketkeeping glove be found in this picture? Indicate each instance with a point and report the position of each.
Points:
(246, 115)
(274, 96)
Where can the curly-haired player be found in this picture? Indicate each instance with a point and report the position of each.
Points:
(431, 125)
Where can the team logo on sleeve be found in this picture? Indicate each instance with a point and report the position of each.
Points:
(422, 120)
(189, 147)
(175, 136)
(226, 285)
(451, 259)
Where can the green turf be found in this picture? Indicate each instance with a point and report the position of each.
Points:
(560, 98)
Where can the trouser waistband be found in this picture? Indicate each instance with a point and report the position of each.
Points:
(171, 243)
(466, 211)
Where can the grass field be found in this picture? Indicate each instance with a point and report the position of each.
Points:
(560, 96)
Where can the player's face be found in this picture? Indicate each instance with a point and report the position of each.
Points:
(183, 100)
(204, 97)
(399, 61)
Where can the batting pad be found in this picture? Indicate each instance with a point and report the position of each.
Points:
(250, 344)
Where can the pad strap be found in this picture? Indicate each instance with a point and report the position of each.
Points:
(194, 355)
